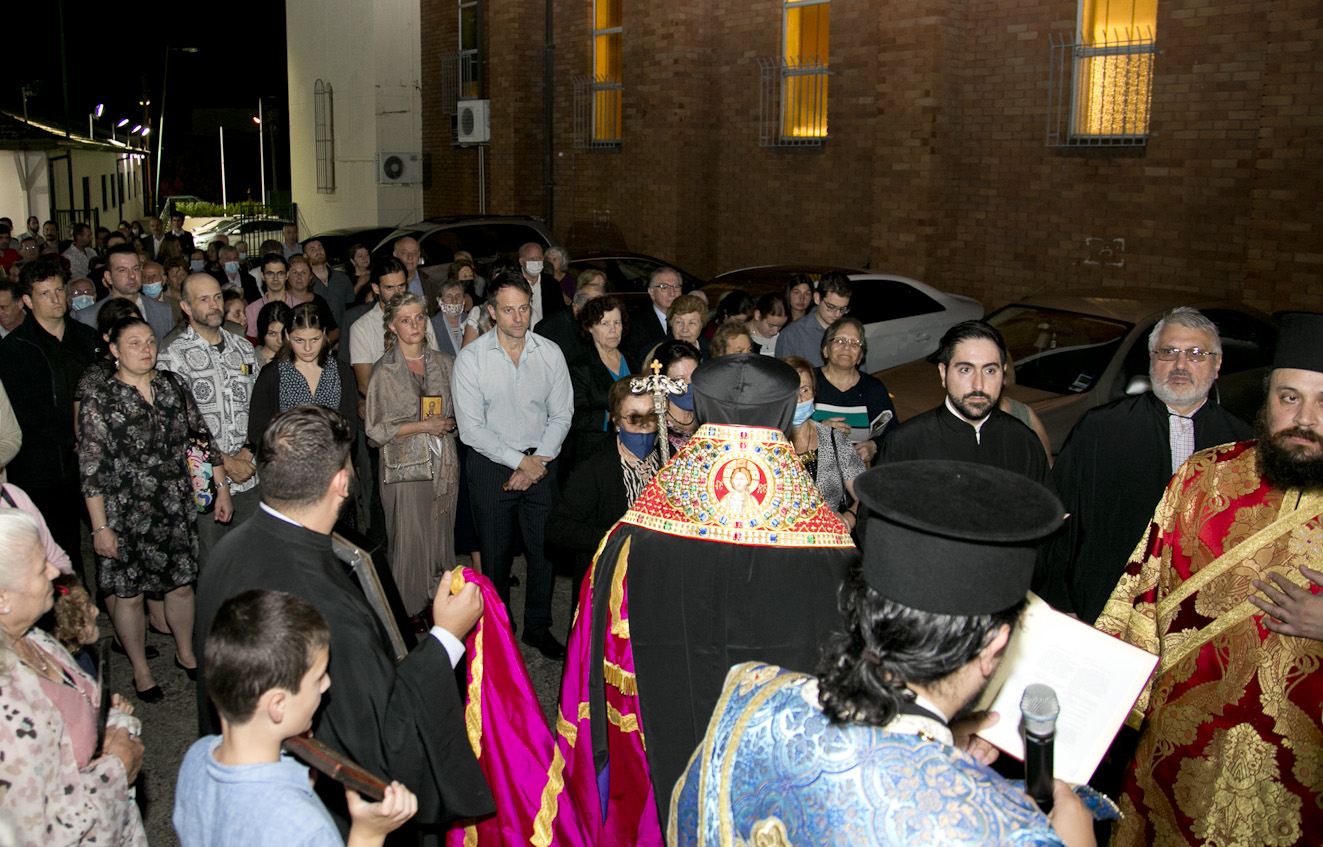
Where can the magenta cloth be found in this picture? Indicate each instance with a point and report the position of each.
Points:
(630, 816)
(509, 735)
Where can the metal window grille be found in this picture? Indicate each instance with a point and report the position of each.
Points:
(459, 81)
(1099, 92)
(324, 105)
(597, 116)
(792, 102)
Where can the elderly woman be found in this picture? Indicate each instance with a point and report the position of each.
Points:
(448, 322)
(411, 418)
(558, 265)
(685, 319)
(302, 371)
(602, 323)
(827, 454)
(730, 339)
(134, 430)
(272, 321)
(849, 400)
(58, 789)
(678, 360)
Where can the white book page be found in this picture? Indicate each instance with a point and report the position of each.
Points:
(1097, 679)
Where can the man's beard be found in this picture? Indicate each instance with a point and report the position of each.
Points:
(963, 406)
(1193, 393)
(971, 705)
(1285, 465)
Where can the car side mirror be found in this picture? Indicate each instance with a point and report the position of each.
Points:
(1138, 384)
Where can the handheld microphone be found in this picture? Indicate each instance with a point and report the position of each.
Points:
(1039, 708)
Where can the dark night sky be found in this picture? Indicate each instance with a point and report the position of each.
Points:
(115, 53)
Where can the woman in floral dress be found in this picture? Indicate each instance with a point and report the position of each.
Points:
(134, 429)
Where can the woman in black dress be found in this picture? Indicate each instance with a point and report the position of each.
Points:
(134, 430)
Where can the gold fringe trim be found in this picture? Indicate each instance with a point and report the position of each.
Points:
(622, 679)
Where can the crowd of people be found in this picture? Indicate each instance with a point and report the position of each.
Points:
(761, 555)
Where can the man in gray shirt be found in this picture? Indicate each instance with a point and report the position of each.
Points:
(803, 338)
(513, 404)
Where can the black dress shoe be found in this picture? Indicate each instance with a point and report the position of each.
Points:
(191, 672)
(151, 695)
(546, 644)
(149, 651)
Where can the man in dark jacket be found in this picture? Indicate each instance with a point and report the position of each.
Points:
(40, 364)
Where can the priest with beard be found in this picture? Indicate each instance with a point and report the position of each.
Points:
(1119, 457)
(1225, 588)
(402, 722)
(968, 426)
(728, 555)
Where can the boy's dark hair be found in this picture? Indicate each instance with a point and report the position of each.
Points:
(303, 448)
(260, 640)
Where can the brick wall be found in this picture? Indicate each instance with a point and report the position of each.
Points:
(936, 167)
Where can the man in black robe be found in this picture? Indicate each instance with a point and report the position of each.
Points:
(1119, 458)
(728, 555)
(402, 722)
(968, 426)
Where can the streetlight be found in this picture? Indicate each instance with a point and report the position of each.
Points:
(261, 149)
(92, 116)
(123, 123)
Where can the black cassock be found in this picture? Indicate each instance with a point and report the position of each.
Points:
(402, 722)
(1002, 442)
(1111, 474)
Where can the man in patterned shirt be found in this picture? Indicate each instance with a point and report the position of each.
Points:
(220, 368)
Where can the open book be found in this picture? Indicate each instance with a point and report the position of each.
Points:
(1097, 679)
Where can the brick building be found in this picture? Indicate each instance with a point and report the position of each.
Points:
(939, 163)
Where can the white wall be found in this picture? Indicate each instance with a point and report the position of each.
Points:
(369, 53)
(35, 199)
(24, 185)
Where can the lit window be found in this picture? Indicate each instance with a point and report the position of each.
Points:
(1103, 82)
(324, 128)
(606, 82)
(468, 49)
(804, 78)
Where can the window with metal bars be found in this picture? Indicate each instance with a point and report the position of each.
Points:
(1101, 81)
(324, 127)
(793, 89)
(598, 95)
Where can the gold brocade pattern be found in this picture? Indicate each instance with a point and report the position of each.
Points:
(1234, 795)
(546, 812)
(769, 832)
(566, 730)
(626, 723)
(619, 624)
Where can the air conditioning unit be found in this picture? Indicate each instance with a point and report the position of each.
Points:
(474, 121)
(399, 168)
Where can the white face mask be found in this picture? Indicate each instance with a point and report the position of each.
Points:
(452, 309)
(533, 268)
(231, 268)
(242, 255)
(82, 301)
(153, 289)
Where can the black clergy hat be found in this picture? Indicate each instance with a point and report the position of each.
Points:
(954, 538)
(1299, 341)
(747, 389)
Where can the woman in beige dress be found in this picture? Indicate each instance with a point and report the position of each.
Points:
(419, 465)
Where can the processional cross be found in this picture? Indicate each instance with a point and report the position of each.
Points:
(659, 387)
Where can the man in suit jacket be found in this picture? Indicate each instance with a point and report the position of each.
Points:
(154, 237)
(177, 230)
(647, 325)
(406, 250)
(125, 277)
(547, 298)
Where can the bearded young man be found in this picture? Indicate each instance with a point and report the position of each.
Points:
(1229, 746)
(1119, 457)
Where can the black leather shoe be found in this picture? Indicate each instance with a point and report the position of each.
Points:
(149, 651)
(151, 695)
(191, 672)
(546, 644)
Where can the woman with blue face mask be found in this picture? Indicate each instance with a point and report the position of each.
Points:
(826, 454)
(603, 486)
(678, 360)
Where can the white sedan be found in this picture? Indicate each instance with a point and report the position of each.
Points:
(903, 318)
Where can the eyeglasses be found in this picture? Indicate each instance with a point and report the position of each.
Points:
(667, 286)
(842, 341)
(275, 275)
(1194, 354)
(834, 310)
(638, 420)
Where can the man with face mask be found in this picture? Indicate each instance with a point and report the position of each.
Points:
(1119, 458)
(124, 275)
(728, 555)
(547, 298)
(231, 275)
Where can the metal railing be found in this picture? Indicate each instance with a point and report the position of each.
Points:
(459, 81)
(792, 101)
(1099, 92)
(597, 111)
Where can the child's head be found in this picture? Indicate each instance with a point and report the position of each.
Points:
(267, 643)
(75, 614)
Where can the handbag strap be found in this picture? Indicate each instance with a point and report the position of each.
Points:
(836, 457)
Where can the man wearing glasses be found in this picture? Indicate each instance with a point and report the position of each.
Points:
(1119, 457)
(648, 324)
(803, 338)
(275, 278)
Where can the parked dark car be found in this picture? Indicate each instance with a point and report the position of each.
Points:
(1073, 353)
(627, 273)
(487, 238)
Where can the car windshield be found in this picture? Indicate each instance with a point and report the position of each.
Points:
(1061, 352)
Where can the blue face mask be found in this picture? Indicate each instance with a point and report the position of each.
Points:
(82, 301)
(153, 289)
(686, 400)
(639, 443)
(231, 268)
(195, 266)
(803, 411)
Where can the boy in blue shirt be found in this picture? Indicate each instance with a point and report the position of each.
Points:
(266, 656)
